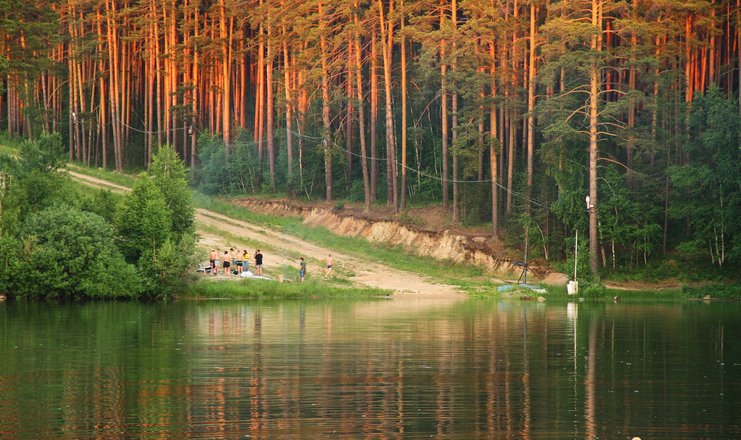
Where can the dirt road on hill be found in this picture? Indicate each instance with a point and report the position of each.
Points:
(219, 231)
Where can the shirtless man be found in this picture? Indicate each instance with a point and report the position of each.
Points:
(212, 256)
(329, 263)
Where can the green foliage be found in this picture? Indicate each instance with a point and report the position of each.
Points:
(166, 273)
(10, 262)
(714, 290)
(66, 252)
(708, 187)
(627, 220)
(28, 29)
(36, 181)
(156, 225)
(225, 172)
(169, 175)
(103, 203)
(143, 221)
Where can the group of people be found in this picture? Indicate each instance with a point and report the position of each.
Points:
(234, 262)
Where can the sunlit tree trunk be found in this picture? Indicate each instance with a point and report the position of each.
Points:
(326, 133)
(350, 112)
(289, 102)
(225, 79)
(493, 142)
(269, 106)
(387, 35)
(531, 108)
(361, 112)
(454, 120)
(594, 90)
(444, 114)
(195, 94)
(259, 95)
(403, 110)
(374, 115)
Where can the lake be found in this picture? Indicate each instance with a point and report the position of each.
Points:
(451, 368)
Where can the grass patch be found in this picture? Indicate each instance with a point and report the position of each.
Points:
(236, 240)
(673, 267)
(123, 179)
(264, 289)
(729, 291)
(9, 146)
(4, 149)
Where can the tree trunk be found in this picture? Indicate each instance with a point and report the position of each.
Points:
(531, 109)
(594, 89)
(454, 120)
(493, 143)
(349, 67)
(226, 116)
(374, 116)
(387, 35)
(403, 112)
(269, 106)
(326, 140)
(361, 112)
(444, 114)
(195, 96)
(289, 103)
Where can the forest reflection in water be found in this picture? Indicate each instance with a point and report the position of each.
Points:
(446, 368)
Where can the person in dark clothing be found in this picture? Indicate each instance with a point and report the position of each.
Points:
(258, 263)
(302, 269)
(227, 262)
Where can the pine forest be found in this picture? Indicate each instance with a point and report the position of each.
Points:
(541, 118)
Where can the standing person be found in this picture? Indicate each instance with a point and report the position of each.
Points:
(212, 257)
(329, 264)
(239, 259)
(227, 262)
(245, 261)
(302, 269)
(217, 263)
(233, 258)
(258, 263)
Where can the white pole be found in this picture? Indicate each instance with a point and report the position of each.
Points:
(576, 252)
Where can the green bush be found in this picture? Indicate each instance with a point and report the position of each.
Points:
(225, 172)
(68, 252)
(714, 290)
(155, 223)
(143, 220)
(169, 175)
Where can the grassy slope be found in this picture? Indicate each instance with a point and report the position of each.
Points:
(468, 278)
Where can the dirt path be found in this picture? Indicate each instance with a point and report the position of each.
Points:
(285, 250)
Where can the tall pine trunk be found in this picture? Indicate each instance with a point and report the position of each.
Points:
(326, 133)
(361, 113)
(594, 90)
(387, 35)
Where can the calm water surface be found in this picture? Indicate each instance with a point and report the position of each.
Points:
(411, 368)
